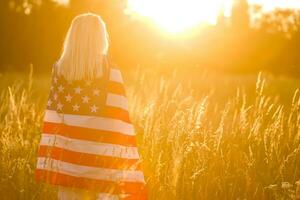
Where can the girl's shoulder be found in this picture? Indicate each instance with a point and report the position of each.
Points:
(114, 72)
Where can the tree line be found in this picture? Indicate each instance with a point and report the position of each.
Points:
(32, 31)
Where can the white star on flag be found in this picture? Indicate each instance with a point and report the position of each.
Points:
(94, 108)
(85, 99)
(61, 88)
(96, 92)
(68, 98)
(76, 107)
(55, 80)
(59, 106)
(78, 90)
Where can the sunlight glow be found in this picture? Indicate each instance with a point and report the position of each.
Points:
(178, 15)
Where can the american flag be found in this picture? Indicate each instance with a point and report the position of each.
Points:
(88, 140)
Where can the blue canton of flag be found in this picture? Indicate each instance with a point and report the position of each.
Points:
(82, 97)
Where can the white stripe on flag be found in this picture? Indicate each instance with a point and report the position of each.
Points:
(93, 122)
(115, 75)
(83, 146)
(89, 172)
(117, 101)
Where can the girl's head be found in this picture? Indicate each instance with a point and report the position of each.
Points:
(85, 45)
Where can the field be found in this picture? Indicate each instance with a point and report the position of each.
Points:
(208, 136)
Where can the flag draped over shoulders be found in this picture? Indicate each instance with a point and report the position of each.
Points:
(88, 140)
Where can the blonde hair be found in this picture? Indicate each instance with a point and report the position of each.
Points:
(84, 48)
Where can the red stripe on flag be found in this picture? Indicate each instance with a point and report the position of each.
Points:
(86, 159)
(116, 87)
(51, 177)
(117, 113)
(89, 134)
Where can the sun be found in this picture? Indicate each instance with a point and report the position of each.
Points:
(176, 16)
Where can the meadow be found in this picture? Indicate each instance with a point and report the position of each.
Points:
(201, 134)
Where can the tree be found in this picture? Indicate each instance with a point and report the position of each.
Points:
(240, 18)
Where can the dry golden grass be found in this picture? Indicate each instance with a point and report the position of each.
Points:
(201, 137)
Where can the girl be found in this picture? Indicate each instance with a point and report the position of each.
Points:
(87, 146)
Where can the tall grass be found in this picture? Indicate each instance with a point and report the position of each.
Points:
(19, 138)
(195, 142)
